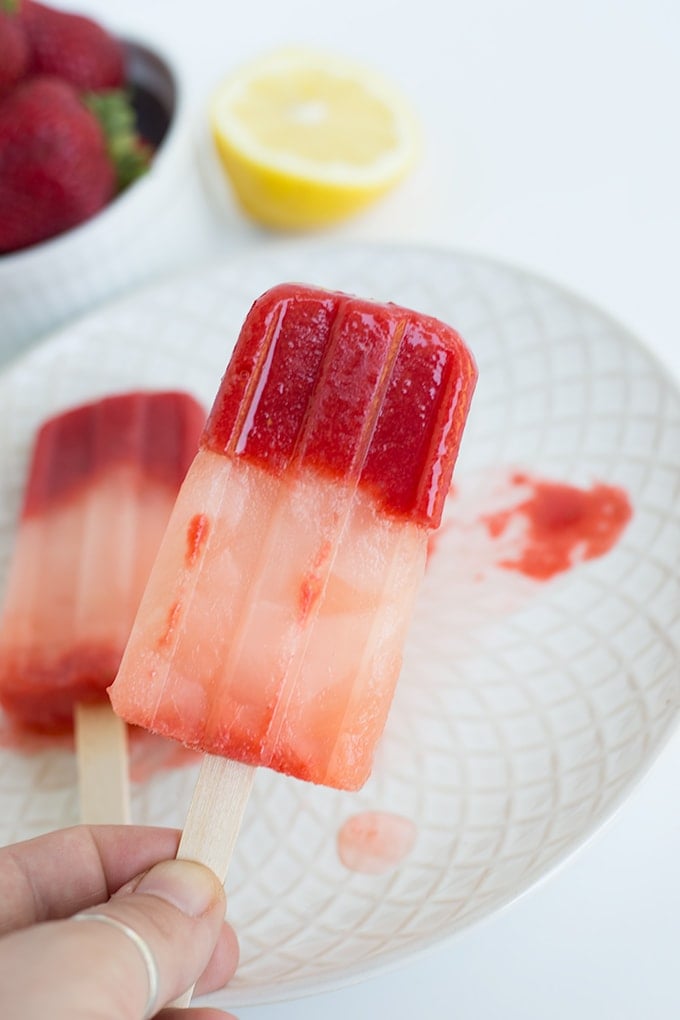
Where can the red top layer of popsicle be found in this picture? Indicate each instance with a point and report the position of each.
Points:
(155, 431)
(377, 394)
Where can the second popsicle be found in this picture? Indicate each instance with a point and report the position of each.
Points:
(102, 481)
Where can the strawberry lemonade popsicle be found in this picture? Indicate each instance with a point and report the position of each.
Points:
(272, 627)
(102, 483)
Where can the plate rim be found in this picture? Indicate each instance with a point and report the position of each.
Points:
(387, 960)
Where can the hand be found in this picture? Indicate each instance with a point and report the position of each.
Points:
(52, 965)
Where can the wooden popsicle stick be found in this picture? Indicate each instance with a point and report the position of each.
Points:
(101, 752)
(214, 820)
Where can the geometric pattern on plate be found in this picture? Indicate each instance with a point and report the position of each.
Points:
(525, 712)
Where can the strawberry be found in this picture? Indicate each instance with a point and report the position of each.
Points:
(14, 48)
(57, 165)
(73, 47)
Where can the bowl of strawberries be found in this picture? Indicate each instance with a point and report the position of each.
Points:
(90, 159)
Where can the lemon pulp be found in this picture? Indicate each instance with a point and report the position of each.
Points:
(308, 139)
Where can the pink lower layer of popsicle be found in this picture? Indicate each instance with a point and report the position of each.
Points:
(63, 630)
(272, 627)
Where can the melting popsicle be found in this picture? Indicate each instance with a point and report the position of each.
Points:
(271, 630)
(102, 482)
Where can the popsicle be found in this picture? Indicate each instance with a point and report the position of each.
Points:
(271, 630)
(102, 482)
(272, 627)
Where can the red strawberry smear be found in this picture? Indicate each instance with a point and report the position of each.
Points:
(171, 625)
(197, 533)
(311, 585)
(563, 525)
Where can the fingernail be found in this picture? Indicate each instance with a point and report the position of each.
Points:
(189, 886)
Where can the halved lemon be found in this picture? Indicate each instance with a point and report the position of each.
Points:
(309, 138)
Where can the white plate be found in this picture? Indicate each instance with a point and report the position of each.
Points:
(525, 712)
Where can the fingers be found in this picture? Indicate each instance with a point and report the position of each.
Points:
(56, 875)
(222, 964)
(176, 909)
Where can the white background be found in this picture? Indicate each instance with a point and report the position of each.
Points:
(550, 140)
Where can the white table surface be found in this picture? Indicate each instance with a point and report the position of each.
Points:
(551, 141)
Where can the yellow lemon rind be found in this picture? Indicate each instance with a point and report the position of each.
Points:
(283, 189)
(286, 201)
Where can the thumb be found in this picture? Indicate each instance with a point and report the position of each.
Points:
(120, 961)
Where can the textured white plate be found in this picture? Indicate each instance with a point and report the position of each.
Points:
(525, 712)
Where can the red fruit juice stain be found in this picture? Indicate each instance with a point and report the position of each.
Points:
(312, 583)
(171, 622)
(375, 842)
(562, 525)
(197, 533)
(310, 590)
